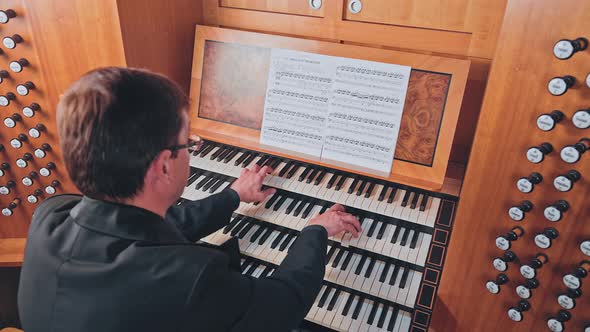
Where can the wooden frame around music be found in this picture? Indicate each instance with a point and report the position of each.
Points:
(421, 175)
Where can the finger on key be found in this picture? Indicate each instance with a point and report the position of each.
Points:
(352, 220)
(349, 228)
(264, 171)
(255, 168)
(265, 193)
(336, 207)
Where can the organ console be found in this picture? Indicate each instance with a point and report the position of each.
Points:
(431, 228)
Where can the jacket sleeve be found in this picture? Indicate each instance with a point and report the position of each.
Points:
(275, 303)
(197, 219)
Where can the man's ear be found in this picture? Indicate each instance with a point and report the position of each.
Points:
(160, 167)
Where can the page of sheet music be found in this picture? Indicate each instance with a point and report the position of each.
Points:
(339, 109)
(297, 101)
(365, 113)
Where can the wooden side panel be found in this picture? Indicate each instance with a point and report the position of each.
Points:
(516, 95)
(159, 34)
(297, 7)
(249, 137)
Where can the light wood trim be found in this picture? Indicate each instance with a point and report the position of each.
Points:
(296, 7)
(426, 177)
(516, 95)
(12, 252)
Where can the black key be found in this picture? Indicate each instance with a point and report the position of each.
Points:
(414, 201)
(358, 307)
(424, 202)
(202, 182)
(320, 177)
(381, 231)
(338, 258)
(275, 163)
(216, 185)
(381, 320)
(270, 273)
(201, 148)
(324, 297)
(245, 263)
(206, 150)
(321, 294)
(266, 271)
(239, 227)
(373, 313)
(394, 275)
(307, 210)
(299, 208)
(402, 282)
(340, 183)
(405, 238)
(384, 272)
(361, 188)
(218, 152)
(230, 156)
(265, 236)
(414, 239)
(332, 180)
(330, 253)
(392, 320)
(232, 224)
(359, 267)
(268, 161)
(271, 200)
(334, 299)
(285, 168)
(248, 160)
(370, 267)
(250, 269)
(257, 234)
(224, 154)
(372, 228)
(324, 208)
(406, 198)
(293, 170)
(348, 304)
(312, 175)
(370, 189)
(395, 234)
(277, 240)
(383, 192)
(292, 243)
(241, 158)
(304, 173)
(391, 195)
(210, 183)
(353, 185)
(346, 260)
(262, 160)
(286, 242)
(245, 230)
(192, 179)
(279, 203)
(291, 206)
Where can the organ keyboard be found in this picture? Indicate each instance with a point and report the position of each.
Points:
(373, 282)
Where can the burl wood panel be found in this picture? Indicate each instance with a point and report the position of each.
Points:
(516, 95)
(234, 85)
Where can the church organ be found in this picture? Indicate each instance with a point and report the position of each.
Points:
(472, 230)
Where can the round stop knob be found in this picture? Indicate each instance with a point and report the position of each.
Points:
(6, 15)
(6, 99)
(527, 184)
(11, 41)
(581, 118)
(571, 153)
(567, 300)
(555, 324)
(555, 212)
(543, 240)
(29, 111)
(565, 48)
(3, 75)
(493, 286)
(566, 181)
(34, 197)
(547, 121)
(503, 242)
(536, 154)
(515, 313)
(517, 212)
(559, 85)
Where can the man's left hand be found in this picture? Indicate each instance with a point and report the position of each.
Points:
(249, 184)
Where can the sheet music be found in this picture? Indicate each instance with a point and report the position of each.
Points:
(335, 108)
(365, 113)
(297, 101)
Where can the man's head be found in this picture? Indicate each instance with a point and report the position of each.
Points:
(115, 127)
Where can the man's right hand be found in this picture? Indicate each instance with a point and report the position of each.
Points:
(335, 220)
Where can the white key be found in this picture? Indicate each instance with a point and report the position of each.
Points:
(368, 281)
(338, 318)
(357, 323)
(351, 277)
(374, 327)
(394, 289)
(347, 320)
(364, 327)
(424, 247)
(379, 266)
(414, 286)
(319, 316)
(385, 287)
(406, 320)
(433, 211)
(314, 308)
(330, 314)
(358, 283)
(403, 292)
(413, 254)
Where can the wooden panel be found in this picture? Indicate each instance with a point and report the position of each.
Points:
(9, 278)
(159, 34)
(480, 20)
(297, 7)
(430, 177)
(12, 252)
(516, 95)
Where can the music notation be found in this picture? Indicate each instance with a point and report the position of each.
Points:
(334, 108)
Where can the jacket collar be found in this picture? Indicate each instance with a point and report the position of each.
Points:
(124, 221)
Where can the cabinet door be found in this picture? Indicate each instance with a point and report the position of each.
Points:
(296, 7)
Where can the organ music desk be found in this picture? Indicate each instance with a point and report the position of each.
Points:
(387, 278)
